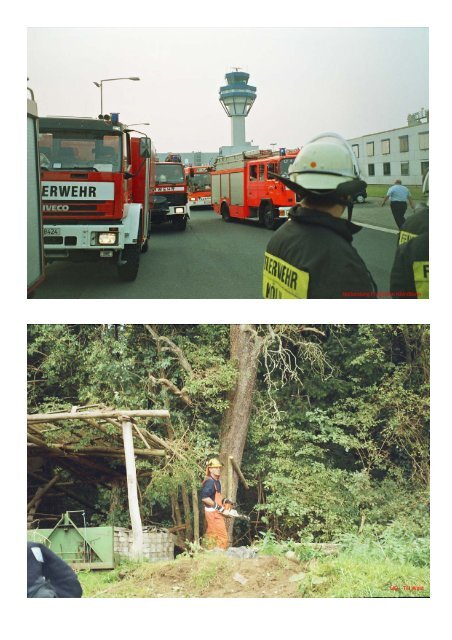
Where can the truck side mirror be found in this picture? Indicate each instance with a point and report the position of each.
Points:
(145, 147)
(192, 173)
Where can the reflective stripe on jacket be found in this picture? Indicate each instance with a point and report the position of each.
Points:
(311, 256)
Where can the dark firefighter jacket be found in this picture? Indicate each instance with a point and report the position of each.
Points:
(48, 576)
(410, 271)
(311, 256)
(414, 226)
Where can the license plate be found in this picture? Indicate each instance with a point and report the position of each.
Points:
(52, 231)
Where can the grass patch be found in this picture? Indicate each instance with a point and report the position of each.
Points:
(207, 571)
(348, 577)
(380, 190)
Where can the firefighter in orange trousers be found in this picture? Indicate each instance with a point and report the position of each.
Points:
(215, 506)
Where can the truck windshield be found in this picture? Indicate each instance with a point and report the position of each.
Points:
(199, 182)
(284, 167)
(80, 150)
(169, 173)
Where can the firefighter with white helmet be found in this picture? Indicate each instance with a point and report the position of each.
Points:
(311, 256)
(215, 506)
(410, 271)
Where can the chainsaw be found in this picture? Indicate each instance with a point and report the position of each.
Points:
(231, 512)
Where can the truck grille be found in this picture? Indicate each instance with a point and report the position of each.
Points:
(169, 200)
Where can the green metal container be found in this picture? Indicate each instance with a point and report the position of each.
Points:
(81, 547)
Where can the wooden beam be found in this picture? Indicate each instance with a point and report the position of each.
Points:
(82, 415)
(132, 491)
(103, 451)
(239, 472)
(230, 480)
(40, 493)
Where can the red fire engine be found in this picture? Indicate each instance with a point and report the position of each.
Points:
(199, 186)
(96, 180)
(170, 193)
(242, 188)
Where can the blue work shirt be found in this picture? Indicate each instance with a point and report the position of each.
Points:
(209, 488)
(398, 193)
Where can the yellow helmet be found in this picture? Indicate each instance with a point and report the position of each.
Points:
(213, 462)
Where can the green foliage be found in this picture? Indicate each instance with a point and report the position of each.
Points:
(338, 439)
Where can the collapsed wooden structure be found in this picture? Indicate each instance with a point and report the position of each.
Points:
(118, 434)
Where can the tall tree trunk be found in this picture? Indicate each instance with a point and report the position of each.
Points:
(244, 350)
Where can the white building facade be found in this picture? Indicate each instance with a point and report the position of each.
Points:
(395, 154)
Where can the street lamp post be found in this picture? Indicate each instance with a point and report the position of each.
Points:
(99, 84)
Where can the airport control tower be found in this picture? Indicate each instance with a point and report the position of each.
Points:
(237, 98)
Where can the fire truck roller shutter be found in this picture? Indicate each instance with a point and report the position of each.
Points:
(237, 190)
(216, 189)
(225, 192)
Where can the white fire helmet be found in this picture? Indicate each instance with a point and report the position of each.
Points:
(324, 163)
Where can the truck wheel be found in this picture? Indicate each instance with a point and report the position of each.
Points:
(225, 212)
(179, 223)
(269, 218)
(129, 262)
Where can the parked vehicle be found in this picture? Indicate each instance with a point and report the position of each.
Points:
(242, 186)
(199, 185)
(170, 195)
(97, 184)
(35, 252)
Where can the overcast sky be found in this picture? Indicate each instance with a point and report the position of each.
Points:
(352, 81)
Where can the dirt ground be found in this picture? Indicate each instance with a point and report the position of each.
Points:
(208, 575)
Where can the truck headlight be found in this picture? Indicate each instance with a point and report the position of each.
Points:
(179, 210)
(107, 238)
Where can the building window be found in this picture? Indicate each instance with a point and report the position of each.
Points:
(370, 148)
(385, 147)
(404, 168)
(386, 168)
(355, 148)
(423, 141)
(371, 169)
(404, 146)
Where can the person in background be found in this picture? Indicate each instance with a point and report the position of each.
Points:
(48, 576)
(311, 255)
(398, 195)
(410, 271)
(215, 506)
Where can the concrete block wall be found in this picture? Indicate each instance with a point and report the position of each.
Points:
(158, 545)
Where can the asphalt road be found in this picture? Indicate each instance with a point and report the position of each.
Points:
(211, 259)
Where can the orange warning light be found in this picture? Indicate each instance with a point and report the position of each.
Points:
(313, 164)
